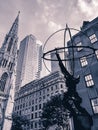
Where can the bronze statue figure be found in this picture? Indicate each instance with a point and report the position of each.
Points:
(81, 118)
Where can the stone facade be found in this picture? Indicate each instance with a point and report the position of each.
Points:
(32, 97)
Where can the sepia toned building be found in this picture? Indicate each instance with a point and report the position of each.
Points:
(32, 97)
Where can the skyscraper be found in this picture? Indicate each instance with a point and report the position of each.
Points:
(29, 61)
(8, 54)
(54, 64)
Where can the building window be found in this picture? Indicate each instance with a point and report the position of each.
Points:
(40, 114)
(94, 103)
(4, 63)
(32, 108)
(47, 89)
(32, 116)
(40, 93)
(35, 114)
(32, 101)
(26, 104)
(83, 61)
(35, 124)
(18, 107)
(31, 125)
(20, 112)
(56, 87)
(96, 52)
(79, 46)
(10, 45)
(40, 99)
(61, 86)
(89, 80)
(39, 106)
(3, 81)
(93, 38)
(36, 107)
(29, 103)
(52, 88)
(47, 95)
(11, 66)
(21, 106)
(39, 124)
(44, 97)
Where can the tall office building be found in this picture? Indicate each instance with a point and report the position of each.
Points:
(86, 65)
(8, 54)
(54, 64)
(29, 62)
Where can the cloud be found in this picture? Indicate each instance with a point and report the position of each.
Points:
(95, 3)
(88, 7)
(42, 17)
(53, 26)
(39, 1)
(84, 7)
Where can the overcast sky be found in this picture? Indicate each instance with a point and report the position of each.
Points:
(42, 17)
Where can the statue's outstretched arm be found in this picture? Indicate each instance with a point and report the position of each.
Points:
(62, 67)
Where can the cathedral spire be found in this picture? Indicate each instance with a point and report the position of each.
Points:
(14, 29)
(12, 36)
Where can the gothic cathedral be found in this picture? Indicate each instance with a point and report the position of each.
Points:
(8, 53)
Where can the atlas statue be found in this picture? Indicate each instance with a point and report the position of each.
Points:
(72, 101)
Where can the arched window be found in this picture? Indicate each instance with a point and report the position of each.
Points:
(10, 45)
(3, 81)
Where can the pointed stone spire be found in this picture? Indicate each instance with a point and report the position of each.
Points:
(14, 29)
(12, 37)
